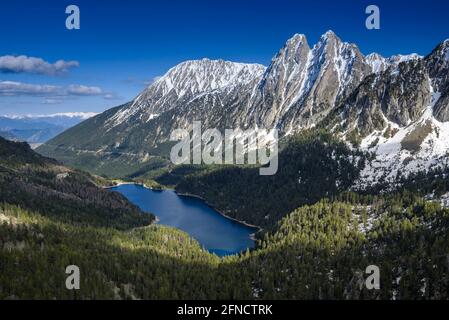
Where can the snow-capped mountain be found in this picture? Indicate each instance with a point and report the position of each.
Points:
(37, 129)
(69, 115)
(370, 101)
(298, 89)
(186, 82)
(379, 64)
(401, 116)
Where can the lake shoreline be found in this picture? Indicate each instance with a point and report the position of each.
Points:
(220, 212)
(259, 229)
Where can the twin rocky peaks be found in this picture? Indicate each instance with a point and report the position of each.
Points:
(357, 95)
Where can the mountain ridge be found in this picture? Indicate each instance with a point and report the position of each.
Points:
(303, 87)
(39, 128)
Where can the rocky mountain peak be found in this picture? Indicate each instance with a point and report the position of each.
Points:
(302, 84)
(204, 75)
(327, 43)
(329, 34)
(399, 58)
(295, 39)
(291, 53)
(377, 62)
(184, 82)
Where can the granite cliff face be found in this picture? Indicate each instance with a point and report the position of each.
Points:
(302, 84)
(437, 64)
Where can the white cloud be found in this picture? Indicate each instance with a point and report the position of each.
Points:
(52, 101)
(25, 64)
(13, 88)
(112, 96)
(80, 90)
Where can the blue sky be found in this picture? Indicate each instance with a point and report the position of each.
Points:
(123, 45)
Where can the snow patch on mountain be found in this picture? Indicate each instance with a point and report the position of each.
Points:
(399, 58)
(421, 146)
(379, 63)
(446, 45)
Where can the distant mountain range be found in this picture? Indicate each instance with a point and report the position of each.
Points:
(396, 108)
(37, 129)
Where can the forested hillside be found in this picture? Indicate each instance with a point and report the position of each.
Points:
(321, 251)
(41, 184)
(146, 263)
(52, 217)
(316, 252)
(313, 165)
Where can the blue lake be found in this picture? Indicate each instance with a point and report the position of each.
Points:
(213, 231)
